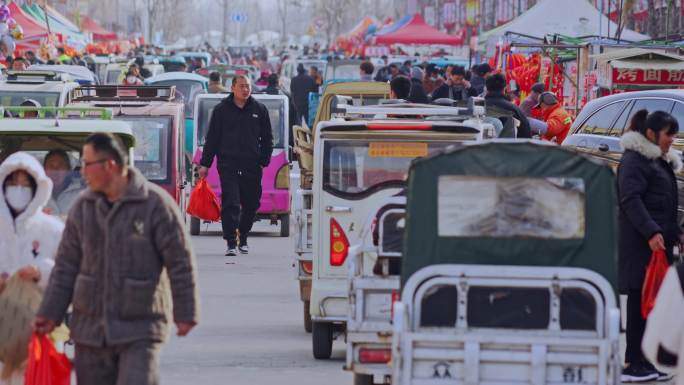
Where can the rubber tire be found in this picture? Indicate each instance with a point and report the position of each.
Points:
(285, 226)
(322, 338)
(363, 379)
(195, 225)
(307, 317)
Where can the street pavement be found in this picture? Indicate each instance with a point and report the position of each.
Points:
(251, 329)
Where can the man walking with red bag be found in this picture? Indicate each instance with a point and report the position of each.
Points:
(647, 192)
(123, 254)
(241, 139)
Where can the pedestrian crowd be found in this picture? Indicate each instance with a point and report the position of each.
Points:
(110, 249)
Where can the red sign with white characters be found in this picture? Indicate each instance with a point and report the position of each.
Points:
(624, 76)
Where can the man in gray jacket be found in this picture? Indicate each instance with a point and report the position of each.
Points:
(123, 246)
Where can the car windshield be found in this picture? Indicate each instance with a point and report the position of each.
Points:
(188, 90)
(113, 76)
(343, 72)
(15, 98)
(355, 169)
(172, 66)
(276, 111)
(152, 145)
(39, 145)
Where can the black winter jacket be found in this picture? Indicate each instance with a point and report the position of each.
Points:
(300, 86)
(417, 94)
(499, 100)
(239, 137)
(647, 193)
(456, 93)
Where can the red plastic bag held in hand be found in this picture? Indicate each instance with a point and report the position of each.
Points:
(203, 203)
(655, 274)
(46, 366)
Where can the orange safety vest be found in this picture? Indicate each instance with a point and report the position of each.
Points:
(559, 122)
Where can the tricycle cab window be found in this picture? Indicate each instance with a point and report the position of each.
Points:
(495, 207)
(276, 111)
(152, 142)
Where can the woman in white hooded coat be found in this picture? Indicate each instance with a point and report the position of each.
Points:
(28, 237)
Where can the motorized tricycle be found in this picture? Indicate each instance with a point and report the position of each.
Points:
(275, 182)
(508, 269)
(156, 120)
(361, 159)
(38, 131)
(47, 88)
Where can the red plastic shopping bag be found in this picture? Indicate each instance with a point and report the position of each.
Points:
(46, 366)
(655, 274)
(203, 202)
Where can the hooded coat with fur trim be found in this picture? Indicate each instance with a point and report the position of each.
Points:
(647, 192)
(32, 237)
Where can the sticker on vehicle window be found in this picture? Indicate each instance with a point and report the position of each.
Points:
(397, 150)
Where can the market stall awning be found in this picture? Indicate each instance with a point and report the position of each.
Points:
(69, 34)
(394, 26)
(417, 31)
(31, 28)
(89, 25)
(574, 19)
(61, 19)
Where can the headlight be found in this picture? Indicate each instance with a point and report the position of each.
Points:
(283, 178)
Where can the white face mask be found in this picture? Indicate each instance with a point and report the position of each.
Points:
(18, 197)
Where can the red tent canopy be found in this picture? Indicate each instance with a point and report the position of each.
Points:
(417, 31)
(31, 28)
(89, 25)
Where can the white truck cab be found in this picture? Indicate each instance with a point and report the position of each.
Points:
(48, 88)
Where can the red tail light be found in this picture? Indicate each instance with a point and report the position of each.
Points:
(339, 245)
(395, 298)
(375, 356)
(307, 267)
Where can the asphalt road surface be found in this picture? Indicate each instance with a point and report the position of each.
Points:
(251, 330)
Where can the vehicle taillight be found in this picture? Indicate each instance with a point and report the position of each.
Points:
(283, 177)
(375, 356)
(307, 267)
(339, 245)
(395, 298)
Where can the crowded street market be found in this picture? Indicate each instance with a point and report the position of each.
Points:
(399, 192)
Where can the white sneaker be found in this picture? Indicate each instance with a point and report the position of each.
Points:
(244, 249)
(231, 252)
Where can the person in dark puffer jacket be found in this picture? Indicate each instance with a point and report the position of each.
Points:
(647, 192)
